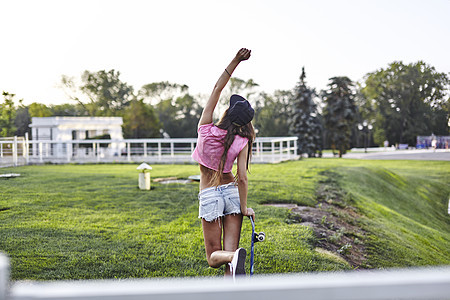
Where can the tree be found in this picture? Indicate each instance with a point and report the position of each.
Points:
(304, 119)
(188, 115)
(407, 100)
(177, 110)
(156, 92)
(107, 95)
(68, 109)
(239, 86)
(73, 92)
(271, 113)
(39, 110)
(7, 115)
(339, 113)
(140, 121)
(22, 120)
(167, 112)
(180, 117)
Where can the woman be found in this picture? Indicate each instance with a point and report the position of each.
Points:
(223, 197)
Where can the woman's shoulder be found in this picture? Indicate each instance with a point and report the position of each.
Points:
(211, 131)
(239, 142)
(242, 138)
(205, 127)
(211, 128)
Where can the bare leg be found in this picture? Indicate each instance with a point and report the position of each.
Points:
(212, 234)
(232, 225)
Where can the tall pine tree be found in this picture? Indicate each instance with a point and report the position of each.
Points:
(305, 121)
(339, 113)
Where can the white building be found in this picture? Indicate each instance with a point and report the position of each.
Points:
(64, 129)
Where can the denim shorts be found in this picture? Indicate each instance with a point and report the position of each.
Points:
(216, 202)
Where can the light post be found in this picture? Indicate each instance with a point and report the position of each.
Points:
(365, 127)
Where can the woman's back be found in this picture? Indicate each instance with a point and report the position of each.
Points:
(210, 147)
(207, 177)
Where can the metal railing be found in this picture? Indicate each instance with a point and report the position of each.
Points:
(14, 151)
(423, 283)
(176, 150)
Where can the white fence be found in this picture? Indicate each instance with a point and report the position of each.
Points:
(22, 151)
(425, 283)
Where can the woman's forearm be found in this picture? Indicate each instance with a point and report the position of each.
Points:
(243, 191)
(243, 54)
(226, 74)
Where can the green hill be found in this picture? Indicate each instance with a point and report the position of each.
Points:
(91, 221)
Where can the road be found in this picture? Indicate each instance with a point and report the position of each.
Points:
(439, 154)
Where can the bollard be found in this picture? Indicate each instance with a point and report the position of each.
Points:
(144, 176)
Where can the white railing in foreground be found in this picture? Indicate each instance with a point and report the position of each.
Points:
(4, 276)
(423, 283)
(177, 150)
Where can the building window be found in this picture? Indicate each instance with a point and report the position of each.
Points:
(92, 133)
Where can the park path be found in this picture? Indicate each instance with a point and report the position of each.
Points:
(422, 154)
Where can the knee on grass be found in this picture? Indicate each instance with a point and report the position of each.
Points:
(219, 258)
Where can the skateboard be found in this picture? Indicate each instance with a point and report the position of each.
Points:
(256, 237)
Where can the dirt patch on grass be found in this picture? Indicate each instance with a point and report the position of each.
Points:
(336, 223)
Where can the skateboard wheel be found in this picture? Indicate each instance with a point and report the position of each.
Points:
(261, 237)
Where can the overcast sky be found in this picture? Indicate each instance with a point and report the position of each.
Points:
(191, 41)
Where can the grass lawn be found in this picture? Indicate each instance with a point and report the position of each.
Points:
(92, 222)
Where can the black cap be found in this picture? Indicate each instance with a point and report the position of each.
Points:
(240, 111)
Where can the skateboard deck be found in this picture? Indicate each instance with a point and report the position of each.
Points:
(256, 237)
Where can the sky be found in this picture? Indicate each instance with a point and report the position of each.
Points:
(192, 41)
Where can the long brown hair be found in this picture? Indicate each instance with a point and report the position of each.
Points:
(246, 131)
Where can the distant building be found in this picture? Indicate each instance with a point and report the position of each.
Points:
(64, 129)
(75, 128)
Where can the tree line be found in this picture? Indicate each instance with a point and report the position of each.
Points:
(393, 104)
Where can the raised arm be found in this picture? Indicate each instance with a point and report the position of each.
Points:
(207, 114)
